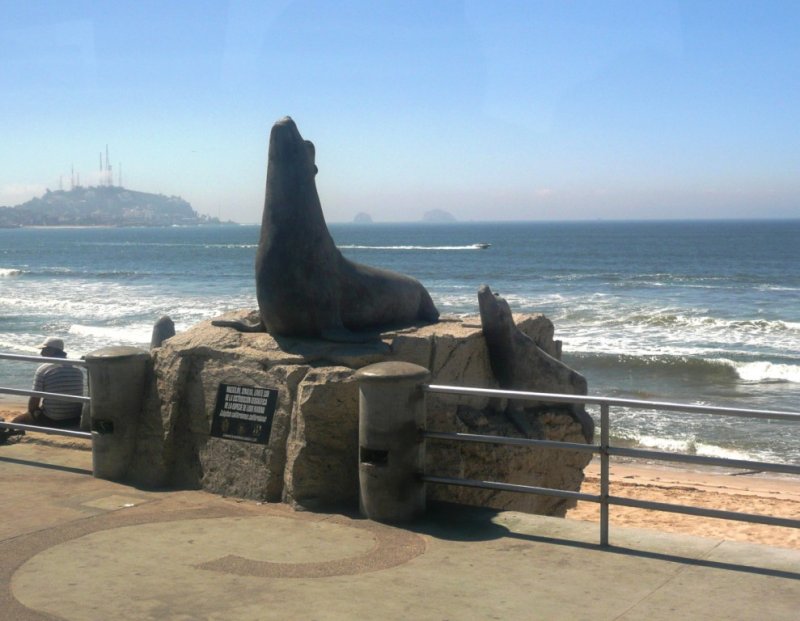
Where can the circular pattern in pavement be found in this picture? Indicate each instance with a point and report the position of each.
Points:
(153, 569)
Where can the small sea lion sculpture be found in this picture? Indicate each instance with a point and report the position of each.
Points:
(304, 286)
(519, 364)
(163, 329)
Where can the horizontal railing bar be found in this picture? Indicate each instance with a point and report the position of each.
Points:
(618, 451)
(512, 487)
(472, 437)
(75, 362)
(704, 460)
(53, 431)
(701, 512)
(506, 394)
(628, 403)
(56, 396)
(620, 501)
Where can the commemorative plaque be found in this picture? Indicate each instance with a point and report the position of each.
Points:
(244, 413)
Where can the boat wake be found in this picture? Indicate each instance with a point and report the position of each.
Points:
(481, 246)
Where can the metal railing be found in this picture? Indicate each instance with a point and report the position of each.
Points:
(605, 450)
(72, 433)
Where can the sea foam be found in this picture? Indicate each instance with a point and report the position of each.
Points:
(767, 371)
(128, 334)
(690, 446)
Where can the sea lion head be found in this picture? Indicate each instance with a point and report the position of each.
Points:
(287, 146)
(291, 171)
(495, 312)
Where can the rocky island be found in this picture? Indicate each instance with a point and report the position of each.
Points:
(438, 216)
(102, 206)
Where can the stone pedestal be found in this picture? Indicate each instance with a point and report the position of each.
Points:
(311, 457)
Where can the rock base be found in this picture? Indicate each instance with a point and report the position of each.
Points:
(311, 458)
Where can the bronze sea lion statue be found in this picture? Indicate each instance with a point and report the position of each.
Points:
(304, 286)
(518, 363)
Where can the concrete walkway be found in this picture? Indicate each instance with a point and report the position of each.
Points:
(74, 547)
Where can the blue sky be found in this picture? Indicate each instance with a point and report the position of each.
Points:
(488, 109)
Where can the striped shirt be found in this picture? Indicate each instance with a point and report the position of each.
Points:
(68, 380)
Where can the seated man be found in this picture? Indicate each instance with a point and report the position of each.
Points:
(58, 378)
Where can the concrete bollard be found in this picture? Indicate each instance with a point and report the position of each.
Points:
(391, 448)
(116, 383)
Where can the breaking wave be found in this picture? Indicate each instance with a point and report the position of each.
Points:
(711, 370)
(691, 446)
(767, 371)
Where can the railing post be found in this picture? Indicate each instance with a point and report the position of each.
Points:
(391, 419)
(117, 378)
(604, 474)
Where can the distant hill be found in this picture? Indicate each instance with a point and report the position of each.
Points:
(102, 206)
(438, 215)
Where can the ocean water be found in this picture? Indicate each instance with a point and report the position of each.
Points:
(696, 312)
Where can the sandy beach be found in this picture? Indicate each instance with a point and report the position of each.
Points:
(776, 495)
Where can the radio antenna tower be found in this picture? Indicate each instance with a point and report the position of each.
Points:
(109, 180)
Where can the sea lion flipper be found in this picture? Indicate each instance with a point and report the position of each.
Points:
(241, 326)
